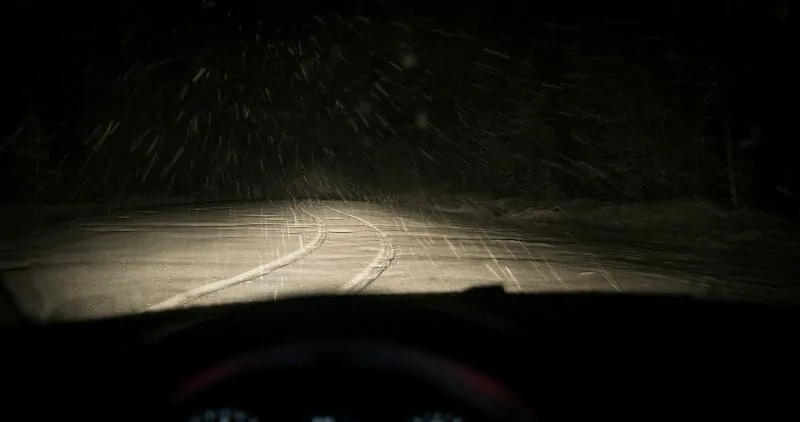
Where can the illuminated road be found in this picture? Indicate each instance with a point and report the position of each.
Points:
(199, 255)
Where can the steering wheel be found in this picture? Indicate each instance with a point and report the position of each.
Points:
(386, 358)
(311, 372)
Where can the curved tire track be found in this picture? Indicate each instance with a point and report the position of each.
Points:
(193, 294)
(379, 264)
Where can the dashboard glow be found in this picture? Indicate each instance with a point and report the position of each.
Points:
(469, 385)
(223, 415)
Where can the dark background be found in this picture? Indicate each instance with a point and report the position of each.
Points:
(621, 101)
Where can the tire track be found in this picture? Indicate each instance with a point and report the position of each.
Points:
(193, 294)
(377, 266)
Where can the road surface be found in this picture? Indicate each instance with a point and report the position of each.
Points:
(167, 257)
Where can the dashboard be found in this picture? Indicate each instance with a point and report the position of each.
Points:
(343, 381)
(478, 356)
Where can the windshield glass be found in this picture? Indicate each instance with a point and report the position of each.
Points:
(160, 155)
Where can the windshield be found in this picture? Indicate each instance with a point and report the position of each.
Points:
(189, 153)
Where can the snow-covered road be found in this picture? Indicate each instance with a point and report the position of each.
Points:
(165, 257)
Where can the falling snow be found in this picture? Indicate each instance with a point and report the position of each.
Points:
(227, 103)
(250, 106)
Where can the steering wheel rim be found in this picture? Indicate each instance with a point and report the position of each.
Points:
(464, 383)
(328, 322)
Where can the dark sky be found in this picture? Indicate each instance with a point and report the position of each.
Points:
(190, 94)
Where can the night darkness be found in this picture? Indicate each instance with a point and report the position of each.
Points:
(508, 106)
(244, 99)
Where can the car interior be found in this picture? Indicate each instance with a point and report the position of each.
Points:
(478, 355)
